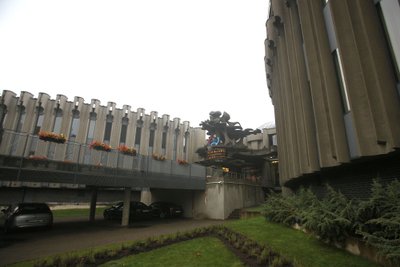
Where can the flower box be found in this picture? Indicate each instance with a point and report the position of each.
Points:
(182, 162)
(127, 150)
(37, 160)
(52, 137)
(158, 157)
(96, 145)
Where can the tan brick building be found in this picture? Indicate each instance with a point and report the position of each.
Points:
(333, 75)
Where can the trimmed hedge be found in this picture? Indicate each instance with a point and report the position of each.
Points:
(251, 252)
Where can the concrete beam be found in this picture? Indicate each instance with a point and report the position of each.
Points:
(93, 201)
(145, 196)
(127, 207)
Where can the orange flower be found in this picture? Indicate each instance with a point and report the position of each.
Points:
(182, 162)
(158, 157)
(52, 137)
(99, 146)
(127, 150)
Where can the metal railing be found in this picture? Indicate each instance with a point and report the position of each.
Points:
(70, 155)
(216, 173)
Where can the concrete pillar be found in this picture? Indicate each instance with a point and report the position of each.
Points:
(127, 206)
(145, 196)
(93, 201)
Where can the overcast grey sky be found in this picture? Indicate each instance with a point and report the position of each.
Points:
(184, 58)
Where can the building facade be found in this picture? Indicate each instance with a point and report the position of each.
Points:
(266, 143)
(332, 69)
(85, 123)
(49, 145)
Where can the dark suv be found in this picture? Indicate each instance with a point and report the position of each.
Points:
(27, 215)
(138, 210)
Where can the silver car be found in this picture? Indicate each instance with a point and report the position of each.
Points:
(25, 215)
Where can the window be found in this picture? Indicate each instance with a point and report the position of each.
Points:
(92, 125)
(21, 119)
(185, 142)
(39, 121)
(341, 81)
(151, 139)
(124, 129)
(73, 132)
(389, 15)
(57, 121)
(138, 135)
(176, 135)
(107, 130)
(74, 126)
(164, 140)
(16, 138)
(271, 140)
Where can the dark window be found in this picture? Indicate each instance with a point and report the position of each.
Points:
(164, 140)
(270, 140)
(151, 139)
(122, 137)
(124, 130)
(107, 130)
(39, 123)
(138, 135)
(341, 81)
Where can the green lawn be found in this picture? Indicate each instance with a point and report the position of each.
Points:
(303, 249)
(62, 213)
(206, 251)
(293, 244)
(256, 208)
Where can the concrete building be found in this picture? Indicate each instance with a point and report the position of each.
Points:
(266, 142)
(84, 123)
(72, 171)
(332, 71)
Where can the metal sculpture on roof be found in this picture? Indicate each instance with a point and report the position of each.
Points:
(223, 132)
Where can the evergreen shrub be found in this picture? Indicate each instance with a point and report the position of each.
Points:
(334, 218)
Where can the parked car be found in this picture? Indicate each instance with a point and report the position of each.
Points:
(138, 210)
(164, 209)
(27, 215)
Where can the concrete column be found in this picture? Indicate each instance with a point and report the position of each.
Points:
(127, 206)
(145, 196)
(93, 201)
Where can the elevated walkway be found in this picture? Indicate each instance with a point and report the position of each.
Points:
(26, 158)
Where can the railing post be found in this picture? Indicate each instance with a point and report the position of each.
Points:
(22, 157)
(77, 163)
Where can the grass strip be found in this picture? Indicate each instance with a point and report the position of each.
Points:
(303, 249)
(64, 213)
(203, 251)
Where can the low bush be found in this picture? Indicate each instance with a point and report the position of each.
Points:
(379, 220)
(334, 218)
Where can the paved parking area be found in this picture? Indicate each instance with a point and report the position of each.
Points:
(78, 233)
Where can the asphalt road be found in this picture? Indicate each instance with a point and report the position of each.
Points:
(77, 233)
